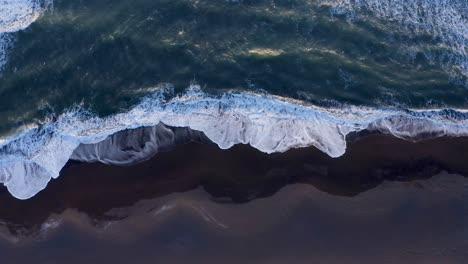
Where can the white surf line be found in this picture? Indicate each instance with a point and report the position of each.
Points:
(267, 123)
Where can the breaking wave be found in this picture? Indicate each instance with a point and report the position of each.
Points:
(270, 124)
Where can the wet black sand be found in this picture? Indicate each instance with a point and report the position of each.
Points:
(235, 175)
(386, 200)
(424, 221)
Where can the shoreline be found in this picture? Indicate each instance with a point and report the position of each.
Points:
(269, 124)
(237, 175)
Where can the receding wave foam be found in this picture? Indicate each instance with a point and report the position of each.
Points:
(445, 20)
(16, 15)
(267, 123)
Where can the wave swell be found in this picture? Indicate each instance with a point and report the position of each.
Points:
(446, 21)
(270, 124)
(17, 15)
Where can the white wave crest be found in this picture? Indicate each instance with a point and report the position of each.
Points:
(17, 15)
(267, 123)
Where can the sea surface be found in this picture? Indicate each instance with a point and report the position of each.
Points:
(275, 74)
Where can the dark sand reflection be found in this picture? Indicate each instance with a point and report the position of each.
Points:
(238, 175)
(423, 221)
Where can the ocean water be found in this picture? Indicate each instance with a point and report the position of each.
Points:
(275, 74)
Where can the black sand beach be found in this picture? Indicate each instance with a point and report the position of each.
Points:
(420, 222)
(236, 175)
(385, 200)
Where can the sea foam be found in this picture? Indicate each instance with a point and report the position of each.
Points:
(17, 15)
(446, 21)
(267, 123)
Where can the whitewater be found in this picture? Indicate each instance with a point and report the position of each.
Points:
(268, 123)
